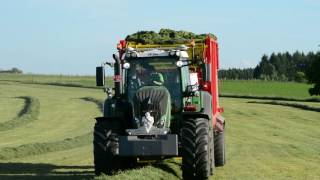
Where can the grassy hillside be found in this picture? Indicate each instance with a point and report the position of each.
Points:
(264, 140)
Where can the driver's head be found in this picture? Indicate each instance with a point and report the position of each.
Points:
(157, 79)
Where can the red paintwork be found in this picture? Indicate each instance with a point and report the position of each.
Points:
(121, 47)
(212, 58)
(190, 108)
(206, 86)
(123, 43)
(117, 78)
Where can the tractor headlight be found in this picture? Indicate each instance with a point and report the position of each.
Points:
(172, 53)
(134, 55)
(126, 65)
(179, 63)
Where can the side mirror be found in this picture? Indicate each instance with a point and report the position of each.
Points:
(100, 78)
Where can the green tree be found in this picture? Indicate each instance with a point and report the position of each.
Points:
(299, 77)
(267, 70)
(313, 75)
(16, 70)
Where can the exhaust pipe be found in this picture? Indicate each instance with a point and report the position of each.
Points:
(117, 76)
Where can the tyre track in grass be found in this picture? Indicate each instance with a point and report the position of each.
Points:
(293, 105)
(269, 98)
(29, 113)
(42, 148)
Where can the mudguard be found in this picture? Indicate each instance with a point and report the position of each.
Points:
(119, 109)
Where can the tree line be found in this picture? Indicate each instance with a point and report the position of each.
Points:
(12, 70)
(298, 66)
(235, 74)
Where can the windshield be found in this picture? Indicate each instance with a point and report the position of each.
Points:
(155, 72)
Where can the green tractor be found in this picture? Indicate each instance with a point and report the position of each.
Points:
(165, 104)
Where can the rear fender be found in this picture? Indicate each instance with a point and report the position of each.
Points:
(195, 115)
(118, 109)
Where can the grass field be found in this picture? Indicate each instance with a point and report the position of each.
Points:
(266, 89)
(64, 122)
(264, 141)
(258, 88)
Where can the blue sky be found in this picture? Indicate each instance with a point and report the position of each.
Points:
(73, 36)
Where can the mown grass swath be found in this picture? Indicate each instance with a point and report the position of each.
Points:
(98, 102)
(41, 148)
(167, 169)
(28, 114)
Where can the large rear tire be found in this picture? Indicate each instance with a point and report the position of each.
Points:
(106, 146)
(196, 149)
(211, 145)
(219, 149)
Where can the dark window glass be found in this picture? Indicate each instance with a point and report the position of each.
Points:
(155, 72)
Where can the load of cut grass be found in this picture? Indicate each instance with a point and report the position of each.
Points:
(28, 114)
(166, 36)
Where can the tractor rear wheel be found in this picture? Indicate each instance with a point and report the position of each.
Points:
(196, 149)
(219, 149)
(212, 161)
(106, 146)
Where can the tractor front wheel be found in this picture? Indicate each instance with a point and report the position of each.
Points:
(106, 146)
(196, 148)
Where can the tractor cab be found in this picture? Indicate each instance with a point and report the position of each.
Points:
(154, 82)
(156, 68)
